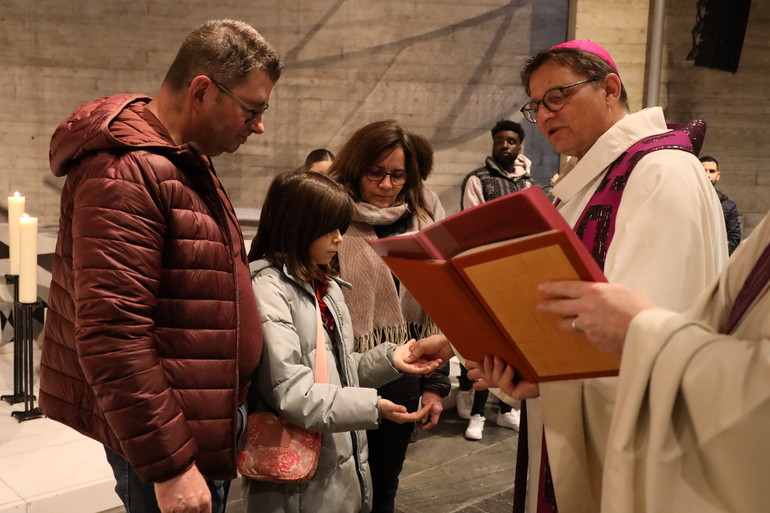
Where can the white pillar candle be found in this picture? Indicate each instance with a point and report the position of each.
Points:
(15, 211)
(27, 259)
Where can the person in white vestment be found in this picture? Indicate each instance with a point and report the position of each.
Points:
(669, 241)
(689, 433)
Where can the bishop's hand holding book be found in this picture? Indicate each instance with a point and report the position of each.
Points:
(476, 274)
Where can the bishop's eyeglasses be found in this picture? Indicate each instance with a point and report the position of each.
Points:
(553, 100)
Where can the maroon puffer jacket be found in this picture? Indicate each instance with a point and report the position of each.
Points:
(152, 332)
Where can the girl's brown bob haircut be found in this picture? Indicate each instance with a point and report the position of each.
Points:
(300, 207)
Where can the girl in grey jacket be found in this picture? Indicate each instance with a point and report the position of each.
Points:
(301, 226)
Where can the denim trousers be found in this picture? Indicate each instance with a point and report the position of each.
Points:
(139, 497)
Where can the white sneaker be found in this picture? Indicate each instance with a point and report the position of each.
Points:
(464, 403)
(475, 427)
(509, 420)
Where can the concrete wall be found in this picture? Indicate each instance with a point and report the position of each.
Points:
(444, 68)
(733, 105)
(621, 27)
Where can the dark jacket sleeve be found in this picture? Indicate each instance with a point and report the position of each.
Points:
(438, 381)
(732, 223)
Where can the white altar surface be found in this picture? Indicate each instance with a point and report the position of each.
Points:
(46, 467)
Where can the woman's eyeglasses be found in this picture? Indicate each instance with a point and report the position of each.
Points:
(377, 174)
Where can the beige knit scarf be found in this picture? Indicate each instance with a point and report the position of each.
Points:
(379, 312)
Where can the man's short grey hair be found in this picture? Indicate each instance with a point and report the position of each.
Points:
(226, 51)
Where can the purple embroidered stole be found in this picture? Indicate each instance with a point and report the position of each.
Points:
(752, 287)
(596, 227)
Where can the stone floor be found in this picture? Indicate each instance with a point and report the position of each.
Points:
(445, 473)
(46, 467)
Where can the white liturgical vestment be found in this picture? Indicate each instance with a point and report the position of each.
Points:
(691, 429)
(669, 242)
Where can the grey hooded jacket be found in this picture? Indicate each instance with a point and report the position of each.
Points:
(340, 409)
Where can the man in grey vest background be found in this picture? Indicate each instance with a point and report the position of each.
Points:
(506, 171)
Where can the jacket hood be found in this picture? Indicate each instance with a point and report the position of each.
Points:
(521, 167)
(111, 122)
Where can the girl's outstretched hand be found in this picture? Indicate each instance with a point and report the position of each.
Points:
(397, 412)
(405, 360)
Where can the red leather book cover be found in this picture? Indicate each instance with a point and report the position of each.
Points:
(522, 213)
(455, 310)
(476, 274)
(503, 277)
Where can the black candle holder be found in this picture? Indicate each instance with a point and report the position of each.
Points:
(23, 357)
(18, 395)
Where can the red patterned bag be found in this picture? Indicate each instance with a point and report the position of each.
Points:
(275, 450)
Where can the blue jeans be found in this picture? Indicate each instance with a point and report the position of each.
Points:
(139, 497)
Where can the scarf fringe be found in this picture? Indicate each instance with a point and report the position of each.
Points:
(396, 334)
(428, 328)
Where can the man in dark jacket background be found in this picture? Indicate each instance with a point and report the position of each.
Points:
(152, 334)
(730, 209)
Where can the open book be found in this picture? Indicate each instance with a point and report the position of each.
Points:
(476, 274)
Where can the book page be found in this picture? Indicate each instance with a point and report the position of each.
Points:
(497, 244)
(507, 285)
(452, 305)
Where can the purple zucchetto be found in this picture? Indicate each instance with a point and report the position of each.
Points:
(590, 47)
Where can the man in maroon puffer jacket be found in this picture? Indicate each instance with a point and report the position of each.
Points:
(152, 334)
